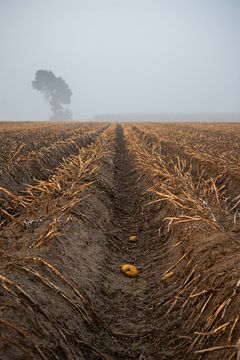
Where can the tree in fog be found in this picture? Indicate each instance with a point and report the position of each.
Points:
(55, 91)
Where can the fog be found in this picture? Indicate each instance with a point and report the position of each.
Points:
(121, 56)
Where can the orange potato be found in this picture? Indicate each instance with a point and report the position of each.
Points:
(129, 270)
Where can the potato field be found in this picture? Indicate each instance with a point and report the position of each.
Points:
(119, 241)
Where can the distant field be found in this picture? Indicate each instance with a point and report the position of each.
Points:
(72, 194)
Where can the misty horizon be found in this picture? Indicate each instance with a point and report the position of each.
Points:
(121, 57)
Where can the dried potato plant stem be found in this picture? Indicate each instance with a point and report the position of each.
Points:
(6, 282)
(13, 327)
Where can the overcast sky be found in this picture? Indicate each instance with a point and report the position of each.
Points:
(121, 55)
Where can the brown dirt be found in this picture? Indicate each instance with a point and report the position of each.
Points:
(92, 311)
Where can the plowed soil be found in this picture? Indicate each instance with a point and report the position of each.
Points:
(68, 299)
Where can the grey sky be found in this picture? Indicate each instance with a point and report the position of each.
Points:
(121, 55)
